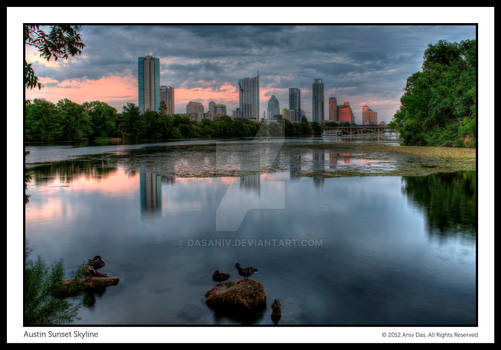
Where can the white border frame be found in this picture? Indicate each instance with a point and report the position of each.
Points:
(483, 16)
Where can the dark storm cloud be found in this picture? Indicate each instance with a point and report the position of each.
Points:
(359, 62)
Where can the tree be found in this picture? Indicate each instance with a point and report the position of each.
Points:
(62, 41)
(103, 119)
(163, 107)
(41, 285)
(75, 120)
(130, 123)
(316, 129)
(43, 121)
(438, 106)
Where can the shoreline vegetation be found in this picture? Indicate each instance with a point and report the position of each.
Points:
(439, 104)
(403, 160)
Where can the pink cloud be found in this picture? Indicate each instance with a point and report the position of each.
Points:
(116, 90)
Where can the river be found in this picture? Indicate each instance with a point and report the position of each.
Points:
(336, 247)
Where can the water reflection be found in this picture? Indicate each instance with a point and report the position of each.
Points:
(448, 201)
(151, 192)
(295, 165)
(67, 171)
(377, 263)
(318, 167)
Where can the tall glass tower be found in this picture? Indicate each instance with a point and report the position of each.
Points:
(167, 95)
(295, 103)
(273, 107)
(248, 97)
(148, 75)
(318, 101)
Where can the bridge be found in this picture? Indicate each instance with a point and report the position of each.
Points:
(357, 129)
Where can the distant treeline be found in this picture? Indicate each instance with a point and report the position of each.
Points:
(97, 121)
(439, 105)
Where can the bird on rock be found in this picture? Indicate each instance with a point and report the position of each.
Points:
(276, 311)
(245, 271)
(95, 264)
(220, 276)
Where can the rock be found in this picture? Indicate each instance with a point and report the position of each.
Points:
(90, 284)
(237, 296)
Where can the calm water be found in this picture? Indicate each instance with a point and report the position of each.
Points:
(340, 251)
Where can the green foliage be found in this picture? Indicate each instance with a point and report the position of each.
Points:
(439, 103)
(97, 121)
(27, 179)
(75, 121)
(103, 119)
(316, 129)
(41, 285)
(62, 41)
(448, 199)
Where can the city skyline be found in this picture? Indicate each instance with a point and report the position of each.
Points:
(366, 65)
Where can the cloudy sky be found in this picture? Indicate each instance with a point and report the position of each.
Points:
(359, 64)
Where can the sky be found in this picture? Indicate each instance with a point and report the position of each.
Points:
(359, 64)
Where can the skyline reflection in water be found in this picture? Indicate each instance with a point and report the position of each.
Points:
(377, 263)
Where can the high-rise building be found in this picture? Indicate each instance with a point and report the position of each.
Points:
(195, 110)
(167, 95)
(295, 103)
(369, 117)
(220, 109)
(148, 75)
(288, 114)
(248, 89)
(273, 107)
(150, 185)
(333, 109)
(212, 109)
(236, 113)
(345, 114)
(318, 101)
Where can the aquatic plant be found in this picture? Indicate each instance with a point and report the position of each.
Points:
(41, 286)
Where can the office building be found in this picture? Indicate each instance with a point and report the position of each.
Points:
(248, 95)
(219, 110)
(273, 107)
(148, 75)
(212, 109)
(195, 110)
(318, 101)
(167, 95)
(369, 117)
(345, 114)
(295, 103)
(333, 109)
(288, 114)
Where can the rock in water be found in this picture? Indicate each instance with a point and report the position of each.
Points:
(241, 295)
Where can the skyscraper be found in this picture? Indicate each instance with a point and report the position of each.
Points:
(369, 117)
(148, 75)
(345, 114)
(295, 103)
(273, 107)
(167, 95)
(220, 109)
(333, 109)
(195, 110)
(318, 101)
(150, 185)
(212, 109)
(248, 89)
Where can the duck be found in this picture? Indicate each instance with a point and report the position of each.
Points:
(276, 311)
(220, 276)
(95, 264)
(245, 271)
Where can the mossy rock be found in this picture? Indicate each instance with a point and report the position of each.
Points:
(237, 296)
